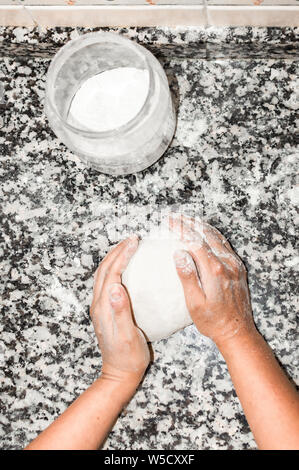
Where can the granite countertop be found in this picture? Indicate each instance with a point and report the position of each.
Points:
(233, 158)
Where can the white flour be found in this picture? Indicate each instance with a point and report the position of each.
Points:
(109, 99)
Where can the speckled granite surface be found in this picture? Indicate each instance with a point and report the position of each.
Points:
(195, 42)
(233, 157)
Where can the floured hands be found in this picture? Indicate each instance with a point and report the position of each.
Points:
(215, 286)
(214, 281)
(125, 353)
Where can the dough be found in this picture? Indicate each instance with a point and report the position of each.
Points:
(155, 289)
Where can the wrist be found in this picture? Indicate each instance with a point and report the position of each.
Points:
(119, 393)
(246, 336)
(127, 379)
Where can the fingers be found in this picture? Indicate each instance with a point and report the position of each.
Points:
(102, 268)
(221, 248)
(204, 241)
(187, 272)
(216, 240)
(192, 233)
(186, 228)
(122, 252)
(119, 316)
(121, 261)
(121, 308)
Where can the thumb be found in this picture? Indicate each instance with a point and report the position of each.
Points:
(120, 303)
(187, 272)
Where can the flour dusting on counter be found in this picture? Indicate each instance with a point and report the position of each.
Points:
(58, 222)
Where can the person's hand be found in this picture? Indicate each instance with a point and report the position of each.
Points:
(125, 353)
(214, 281)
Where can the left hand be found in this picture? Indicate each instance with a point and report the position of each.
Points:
(125, 352)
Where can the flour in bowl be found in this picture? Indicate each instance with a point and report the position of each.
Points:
(109, 99)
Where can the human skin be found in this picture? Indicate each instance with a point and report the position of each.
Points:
(216, 292)
(215, 285)
(125, 355)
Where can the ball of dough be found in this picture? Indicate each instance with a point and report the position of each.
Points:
(155, 289)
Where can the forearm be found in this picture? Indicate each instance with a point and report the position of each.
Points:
(86, 423)
(269, 400)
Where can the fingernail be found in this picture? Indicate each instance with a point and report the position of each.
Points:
(175, 215)
(115, 293)
(133, 242)
(133, 237)
(184, 261)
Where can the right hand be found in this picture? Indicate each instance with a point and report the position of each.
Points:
(214, 281)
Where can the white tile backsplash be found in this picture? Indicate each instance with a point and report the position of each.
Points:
(93, 16)
(15, 15)
(253, 15)
(83, 13)
(149, 2)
